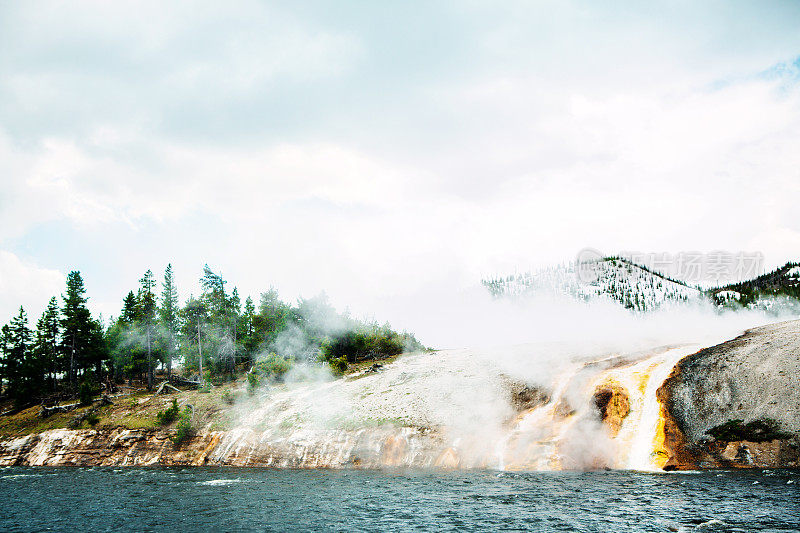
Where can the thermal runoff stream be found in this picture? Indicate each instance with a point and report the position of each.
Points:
(464, 409)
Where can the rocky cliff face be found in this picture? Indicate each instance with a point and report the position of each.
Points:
(736, 404)
(120, 447)
(366, 448)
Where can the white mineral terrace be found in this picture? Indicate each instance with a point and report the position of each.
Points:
(453, 409)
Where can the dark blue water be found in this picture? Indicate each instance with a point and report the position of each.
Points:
(236, 499)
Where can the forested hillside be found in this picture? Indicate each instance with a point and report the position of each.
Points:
(641, 289)
(783, 282)
(617, 279)
(212, 337)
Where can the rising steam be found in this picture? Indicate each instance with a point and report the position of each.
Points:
(454, 407)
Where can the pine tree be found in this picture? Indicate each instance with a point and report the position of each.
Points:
(169, 315)
(247, 326)
(231, 324)
(195, 315)
(147, 315)
(273, 317)
(20, 378)
(122, 338)
(47, 335)
(82, 343)
(219, 338)
(235, 303)
(214, 292)
(97, 350)
(129, 310)
(77, 325)
(5, 349)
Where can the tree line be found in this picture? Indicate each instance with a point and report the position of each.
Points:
(214, 336)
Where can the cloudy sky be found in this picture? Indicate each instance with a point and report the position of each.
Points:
(383, 150)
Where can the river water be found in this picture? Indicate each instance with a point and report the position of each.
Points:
(239, 499)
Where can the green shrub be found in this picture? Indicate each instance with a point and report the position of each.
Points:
(93, 419)
(755, 431)
(355, 346)
(184, 430)
(252, 383)
(339, 366)
(272, 366)
(168, 415)
(88, 389)
(228, 397)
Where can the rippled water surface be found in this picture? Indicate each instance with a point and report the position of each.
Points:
(136, 499)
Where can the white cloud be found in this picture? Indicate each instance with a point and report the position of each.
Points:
(23, 283)
(317, 152)
(90, 186)
(638, 171)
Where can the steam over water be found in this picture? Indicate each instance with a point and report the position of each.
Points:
(455, 409)
(237, 499)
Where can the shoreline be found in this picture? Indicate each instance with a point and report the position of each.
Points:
(694, 402)
(153, 448)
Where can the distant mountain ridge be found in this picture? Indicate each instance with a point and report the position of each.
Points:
(783, 282)
(641, 289)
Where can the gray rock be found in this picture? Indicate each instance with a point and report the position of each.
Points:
(755, 376)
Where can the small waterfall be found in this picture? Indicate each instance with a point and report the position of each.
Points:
(565, 433)
(646, 446)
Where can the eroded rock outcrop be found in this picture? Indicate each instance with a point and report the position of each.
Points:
(752, 381)
(525, 397)
(365, 448)
(613, 405)
(118, 447)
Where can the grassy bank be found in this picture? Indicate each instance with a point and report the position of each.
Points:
(132, 408)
